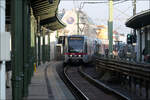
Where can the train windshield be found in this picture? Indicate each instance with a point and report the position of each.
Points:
(75, 44)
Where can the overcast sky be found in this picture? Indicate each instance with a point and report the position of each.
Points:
(99, 12)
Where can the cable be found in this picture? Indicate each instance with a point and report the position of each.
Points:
(124, 12)
(121, 12)
(74, 4)
(121, 2)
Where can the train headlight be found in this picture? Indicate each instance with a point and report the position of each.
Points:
(79, 55)
(70, 55)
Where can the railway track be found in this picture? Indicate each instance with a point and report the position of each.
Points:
(83, 87)
(79, 95)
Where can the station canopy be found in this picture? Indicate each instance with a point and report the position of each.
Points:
(139, 20)
(47, 11)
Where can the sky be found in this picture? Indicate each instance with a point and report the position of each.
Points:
(99, 12)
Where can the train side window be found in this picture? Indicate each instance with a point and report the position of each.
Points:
(86, 47)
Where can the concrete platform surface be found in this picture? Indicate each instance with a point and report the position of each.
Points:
(47, 85)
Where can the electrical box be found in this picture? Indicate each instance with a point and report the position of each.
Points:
(5, 46)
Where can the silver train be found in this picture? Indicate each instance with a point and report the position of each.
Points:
(79, 48)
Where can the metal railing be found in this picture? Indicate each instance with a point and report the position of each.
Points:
(135, 73)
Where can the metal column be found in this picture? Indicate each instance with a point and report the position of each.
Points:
(32, 44)
(39, 49)
(148, 32)
(140, 45)
(110, 27)
(146, 39)
(48, 46)
(2, 81)
(17, 48)
(2, 66)
(26, 47)
(43, 48)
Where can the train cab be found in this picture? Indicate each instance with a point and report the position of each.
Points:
(75, 48)
(79, 48)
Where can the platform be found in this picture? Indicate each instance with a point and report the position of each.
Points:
(47, 85)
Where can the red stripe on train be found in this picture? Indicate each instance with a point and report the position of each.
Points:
(75, 53)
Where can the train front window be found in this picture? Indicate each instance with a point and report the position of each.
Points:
(75, 44)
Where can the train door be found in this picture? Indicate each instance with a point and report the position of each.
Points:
(85, 45)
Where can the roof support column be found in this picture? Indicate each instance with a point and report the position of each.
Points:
(146, 38)
(46, 49)
(39, 40)
(32, 44)
(148, 32)
(35, 49)
(39, 49)
(17, 48)
(140, 34)
(147, 42)
(26, 47)
(43, 47)
(48, 46)
(3, 64)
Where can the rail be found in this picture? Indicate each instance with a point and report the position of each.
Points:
(136, 73)
(102, 85)
(75, 90)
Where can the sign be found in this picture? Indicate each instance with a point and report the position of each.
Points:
(70, 20)
(5, 46)
(75, 38)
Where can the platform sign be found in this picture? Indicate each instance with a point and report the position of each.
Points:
(5, 46)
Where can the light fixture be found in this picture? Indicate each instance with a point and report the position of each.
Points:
(50, 1)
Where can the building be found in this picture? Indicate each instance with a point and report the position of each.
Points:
(77, 22)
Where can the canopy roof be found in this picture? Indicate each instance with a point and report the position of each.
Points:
(47, 11)
(139, 20)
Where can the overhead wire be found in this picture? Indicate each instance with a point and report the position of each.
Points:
(74, 4)
(123, 12)
(120, 2)
(96, 1)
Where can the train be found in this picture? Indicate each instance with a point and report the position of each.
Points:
(79, 48)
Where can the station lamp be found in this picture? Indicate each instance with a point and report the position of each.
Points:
(50, 1)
